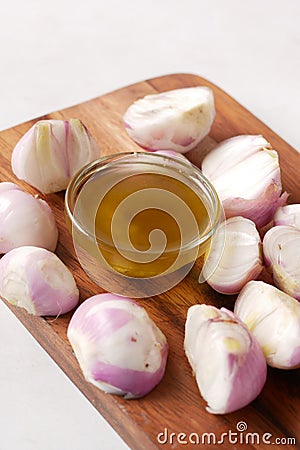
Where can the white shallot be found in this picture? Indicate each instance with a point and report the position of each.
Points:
(235, 256)
(119, 348)
(281, 246)
(51, 152)
(246, 174)
(273, 318)
(25, 220)
(37, 280)
(228, 364)
(288, 215)
(174, 120)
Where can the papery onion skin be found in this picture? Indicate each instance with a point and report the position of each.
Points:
(119, 348)
(228, 364)
(235, 256)
(51, 152)
(273, 318)
(37, 280)
(281, 246)
(246, 174)
(288, 215)
(174, 120)
(25, 220)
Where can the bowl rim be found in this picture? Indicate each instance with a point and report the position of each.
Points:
(89, 169)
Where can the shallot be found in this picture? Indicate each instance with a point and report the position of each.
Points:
(235, 256)
(37, 280)
(281, 246)
(246, 174)
(51, 152)
(273, 318)
(288, 215)
(119, 348)
(228, 363)
(174, 120)
(25, 220)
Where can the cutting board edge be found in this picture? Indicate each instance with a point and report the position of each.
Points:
(127, 437)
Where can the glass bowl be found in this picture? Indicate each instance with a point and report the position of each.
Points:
(140, 220)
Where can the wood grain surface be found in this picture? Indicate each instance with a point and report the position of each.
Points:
(175, 404)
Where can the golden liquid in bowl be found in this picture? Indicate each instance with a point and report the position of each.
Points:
(140, 220)
(139, 226)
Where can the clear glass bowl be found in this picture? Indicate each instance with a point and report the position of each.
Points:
(140, 220)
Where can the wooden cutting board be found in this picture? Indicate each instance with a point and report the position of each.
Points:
(175, 405)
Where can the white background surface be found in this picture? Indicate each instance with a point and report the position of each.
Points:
(55, 54)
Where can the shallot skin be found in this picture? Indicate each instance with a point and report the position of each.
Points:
(25, 220)
(119, 348)
(51, 152)
(273, 317)
(37, 280)
(228, 364)
(173, 120)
